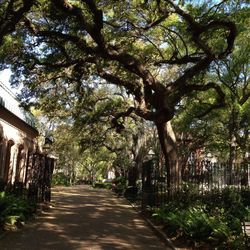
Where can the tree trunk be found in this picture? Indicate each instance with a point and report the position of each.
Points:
(169, 149)
(72, 173)
(132, 176)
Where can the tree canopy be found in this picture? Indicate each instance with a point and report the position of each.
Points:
(160, 54)
(132, 44)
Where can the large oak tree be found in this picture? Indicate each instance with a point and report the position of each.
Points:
(157, 50)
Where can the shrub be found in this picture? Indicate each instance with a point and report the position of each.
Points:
(214, 217)
(102, 185)
(60, 179)
(196, 224)
(119, 185)
(14, 209)
(245, 195)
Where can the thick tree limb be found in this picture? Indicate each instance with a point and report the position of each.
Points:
(94, 30)
(156, 22)
(189, 74)
(210, 85)
(13, 17)
(220, 100)
(132, 65)
(208, 110)
(127, 60)
(132, 88)
(244, 98)
(197, 29)
(183, 60)
(118, 125)
(230, 26)
(80, 43)
(97, 14)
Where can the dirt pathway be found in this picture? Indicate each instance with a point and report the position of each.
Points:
(84, 218)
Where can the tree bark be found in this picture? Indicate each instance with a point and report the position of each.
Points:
(169, 149)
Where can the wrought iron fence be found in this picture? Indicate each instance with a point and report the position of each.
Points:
(40, 178)
(207, 175)
(202, 177)
(37, 184)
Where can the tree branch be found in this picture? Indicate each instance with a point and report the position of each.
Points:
(132, 88)
(220, 100)
(156, 22)
(231, 27)
(210, 85)
(184, 60)
(244, 98)
(118, 125)
(189, 74)
(93, 30)
(197, 29)
(81, 44)
(13, 17)
(98, 16)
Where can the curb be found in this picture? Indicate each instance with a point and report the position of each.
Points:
(159, 233)
(156, 229)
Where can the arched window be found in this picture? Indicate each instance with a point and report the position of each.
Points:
(7, 160)
(19, 162)
(28, 166)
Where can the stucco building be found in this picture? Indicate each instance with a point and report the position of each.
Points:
(21, 161)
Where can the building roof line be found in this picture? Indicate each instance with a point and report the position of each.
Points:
(14, 106)
(8, 90)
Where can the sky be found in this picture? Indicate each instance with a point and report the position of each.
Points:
(5, 77)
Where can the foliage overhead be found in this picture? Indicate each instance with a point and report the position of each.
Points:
(131, 44)
(221, 130)
(160, 54)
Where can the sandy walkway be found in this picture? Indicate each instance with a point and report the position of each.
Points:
(84, 218)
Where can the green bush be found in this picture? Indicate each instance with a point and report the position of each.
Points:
(102, 185)
(60, 179)
(196, 224)
(245, 195)
(120, 182)
(214, 217)
(14, 209)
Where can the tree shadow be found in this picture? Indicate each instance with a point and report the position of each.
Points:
(85, 218)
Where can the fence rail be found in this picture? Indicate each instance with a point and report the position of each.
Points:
(207, 175)
(202, 177)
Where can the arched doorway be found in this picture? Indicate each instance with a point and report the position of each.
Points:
(19, 163)
(7, 160)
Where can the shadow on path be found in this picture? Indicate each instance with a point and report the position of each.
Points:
(85, 218)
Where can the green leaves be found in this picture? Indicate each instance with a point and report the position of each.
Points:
(215, 217)
(13, 209)
(158, 55)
